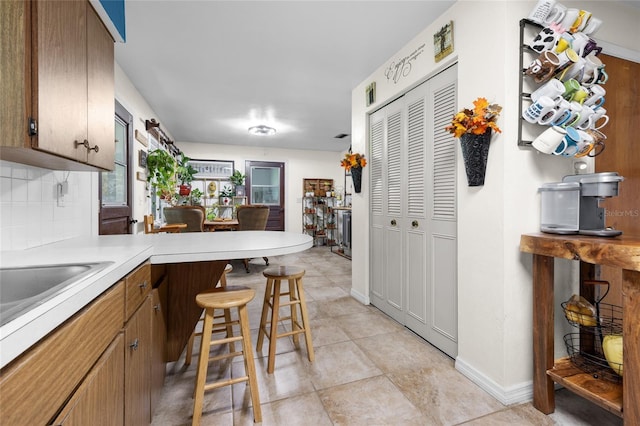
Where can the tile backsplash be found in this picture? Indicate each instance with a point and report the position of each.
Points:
(31, 213)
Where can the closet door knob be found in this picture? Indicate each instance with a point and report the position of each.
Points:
(414, 223)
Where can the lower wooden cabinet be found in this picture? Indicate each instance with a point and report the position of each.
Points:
(159, 342)
(137, 377)
(99, 401)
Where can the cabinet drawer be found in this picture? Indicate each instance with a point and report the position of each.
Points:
(138, 286)
(35, 386)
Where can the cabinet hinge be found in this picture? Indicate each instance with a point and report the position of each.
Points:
(33, 127)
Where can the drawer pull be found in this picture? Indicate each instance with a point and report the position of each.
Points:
(143, 285)
(134, 345)
(156, 307)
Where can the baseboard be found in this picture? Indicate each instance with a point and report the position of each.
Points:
(507, 396)
(360, 297)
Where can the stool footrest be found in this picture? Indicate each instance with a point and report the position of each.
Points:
(225, 356)
(216, 385)
(226, 340)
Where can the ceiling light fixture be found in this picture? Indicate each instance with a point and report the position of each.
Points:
(262, 130)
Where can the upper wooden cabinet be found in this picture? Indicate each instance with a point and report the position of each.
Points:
(58, 79)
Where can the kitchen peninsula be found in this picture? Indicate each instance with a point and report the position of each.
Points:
(178, 267)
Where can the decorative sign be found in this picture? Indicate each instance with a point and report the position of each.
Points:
(212, 168)
(141, 138)
(443, 42)
(142, 176)
(402, 67)
(371, 93)
(142, 158)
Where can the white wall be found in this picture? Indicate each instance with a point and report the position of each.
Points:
(299, 164)
(494, 278)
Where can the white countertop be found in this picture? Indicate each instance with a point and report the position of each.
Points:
(126, 252)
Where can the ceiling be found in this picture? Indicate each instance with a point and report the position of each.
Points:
(211, 69)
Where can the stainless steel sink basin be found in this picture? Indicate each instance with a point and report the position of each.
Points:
(22, 289)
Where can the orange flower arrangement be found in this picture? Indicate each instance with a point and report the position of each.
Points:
(477, 121)
(353, 161)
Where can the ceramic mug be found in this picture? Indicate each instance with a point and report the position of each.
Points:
(544, 40)
(549, 140)
(593, 71)
(552, 88)
(586, 118)
(575, 71)
(541, 11)
(598, 142)
(591, 47)
(570, 17)
(592, 26)
(580, 41)
(543, 67)
(556, 14)
(581, 21)
(538, 109)
(599, 118)
(586, 143)
(576, 111)
(596, 96)
(569, 145)
(558, 116)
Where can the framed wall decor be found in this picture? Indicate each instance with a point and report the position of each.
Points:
(209, 169)
(142, 158)
(443, 42)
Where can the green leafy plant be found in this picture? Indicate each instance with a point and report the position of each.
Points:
(237, 178)
(227, 192)
(185, 171)
(161, 172)
(196, 196)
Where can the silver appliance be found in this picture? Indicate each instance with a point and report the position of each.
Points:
(572, 206)
(346, 232)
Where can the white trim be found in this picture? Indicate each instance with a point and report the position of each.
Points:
(516, 394)
(360, 297)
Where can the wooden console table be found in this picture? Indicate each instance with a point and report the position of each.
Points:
(622, 252)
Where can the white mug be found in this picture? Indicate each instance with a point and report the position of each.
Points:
(576, 70)
(541, 10)
(552, 88)
(556, 14)
(596, 96)
(586, 118)
(592, 67)
(600, 114)
(580, 41)
(570, 17)
(547, 142)
(538, 109)
(592, 26)
(558, 116)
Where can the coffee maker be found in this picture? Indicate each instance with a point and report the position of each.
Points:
(572, 206)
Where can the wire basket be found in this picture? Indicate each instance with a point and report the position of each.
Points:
(607, 319)
(589, 357)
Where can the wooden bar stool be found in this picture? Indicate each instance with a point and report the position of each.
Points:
(218, 298)
(222, 283)
(272, 294)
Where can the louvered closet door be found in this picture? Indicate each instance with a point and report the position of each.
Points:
(432, 309)
(386, 135)
(413, 211)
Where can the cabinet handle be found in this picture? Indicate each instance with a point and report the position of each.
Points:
(393, 222)
(156, 307)
(143, 285)
(414, 223)
(134, 345)
(85, 143)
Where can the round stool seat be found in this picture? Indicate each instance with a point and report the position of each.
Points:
(284, 272)
(229, 297)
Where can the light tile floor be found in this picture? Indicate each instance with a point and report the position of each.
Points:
(368, 370)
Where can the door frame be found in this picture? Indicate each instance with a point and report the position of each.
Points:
(126, 117)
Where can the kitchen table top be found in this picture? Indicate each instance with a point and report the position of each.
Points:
(126, 252)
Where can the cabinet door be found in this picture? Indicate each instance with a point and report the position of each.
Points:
(159, 338)
(137, 389)
(100, 93)
(100, 398)
(61, 83)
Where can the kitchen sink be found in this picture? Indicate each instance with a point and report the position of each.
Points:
(23, 288)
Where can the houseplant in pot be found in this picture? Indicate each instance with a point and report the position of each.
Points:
(161, 173)
(225, 195)
(237, 179)
(185, 172)
(473, 127)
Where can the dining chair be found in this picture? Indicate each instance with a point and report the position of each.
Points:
(148, 224)
(192, 216)
(252, 217)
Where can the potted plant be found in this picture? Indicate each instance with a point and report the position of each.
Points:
(237, 179)
(225, 195)
(161, 173)
(185, 172)
(354, 163)
(196, 197)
